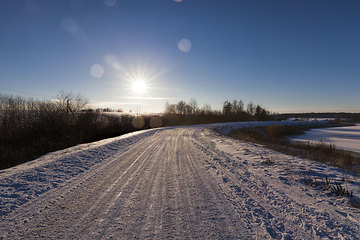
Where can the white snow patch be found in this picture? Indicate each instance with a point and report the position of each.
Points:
(347, 138)
(274, 199)
(282, 188)
(26, 181)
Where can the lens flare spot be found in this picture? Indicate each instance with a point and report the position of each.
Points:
(138, 122)
(97, 71)
(155, 122)
(184, 45)
(110, 3)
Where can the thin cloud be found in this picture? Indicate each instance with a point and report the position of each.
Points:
(98, 104)
(148, 98)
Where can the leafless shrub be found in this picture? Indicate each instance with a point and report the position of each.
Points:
(332, 187)
(30, 128)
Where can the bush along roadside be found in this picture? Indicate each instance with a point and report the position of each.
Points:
(30, 128)
(332, 187)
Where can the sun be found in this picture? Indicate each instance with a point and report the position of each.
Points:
(139, 86)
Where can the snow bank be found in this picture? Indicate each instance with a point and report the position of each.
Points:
(289, 188)
(26, 181)
(23, 182)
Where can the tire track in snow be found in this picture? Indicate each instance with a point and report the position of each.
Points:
(64, 211)
(99, 217)
(139, 179)
(173, 184)
(216, 206)
(156, 224)
(275, 211)
(240, 186)
(110, 189)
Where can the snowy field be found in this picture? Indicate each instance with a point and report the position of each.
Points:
(175, 183)
(347, 138)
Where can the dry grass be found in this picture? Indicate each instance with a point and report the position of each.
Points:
(332, 187)
(273, 137)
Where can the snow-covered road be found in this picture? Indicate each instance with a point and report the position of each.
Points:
(175, 183)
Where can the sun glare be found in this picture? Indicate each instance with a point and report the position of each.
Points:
(137, 78)
(139, 86)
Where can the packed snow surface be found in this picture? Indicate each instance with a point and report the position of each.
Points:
(347, 138)
(175, 183)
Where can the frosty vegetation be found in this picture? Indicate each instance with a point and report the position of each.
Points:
(184, 113)
(30, 127)
(275, 137)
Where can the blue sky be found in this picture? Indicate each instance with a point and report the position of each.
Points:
(287, 55)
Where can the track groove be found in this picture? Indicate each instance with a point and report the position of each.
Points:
(173, 184)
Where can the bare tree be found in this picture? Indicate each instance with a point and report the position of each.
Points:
(71, 103)
(206, 108)
(251, 108)
(193, 105)
(170, 108)
(227, 108)
(181, 107)
(241, 106)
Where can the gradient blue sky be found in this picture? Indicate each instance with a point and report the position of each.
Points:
(287, 55)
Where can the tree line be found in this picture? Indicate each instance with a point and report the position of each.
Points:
(184, 113)
(30, 128)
